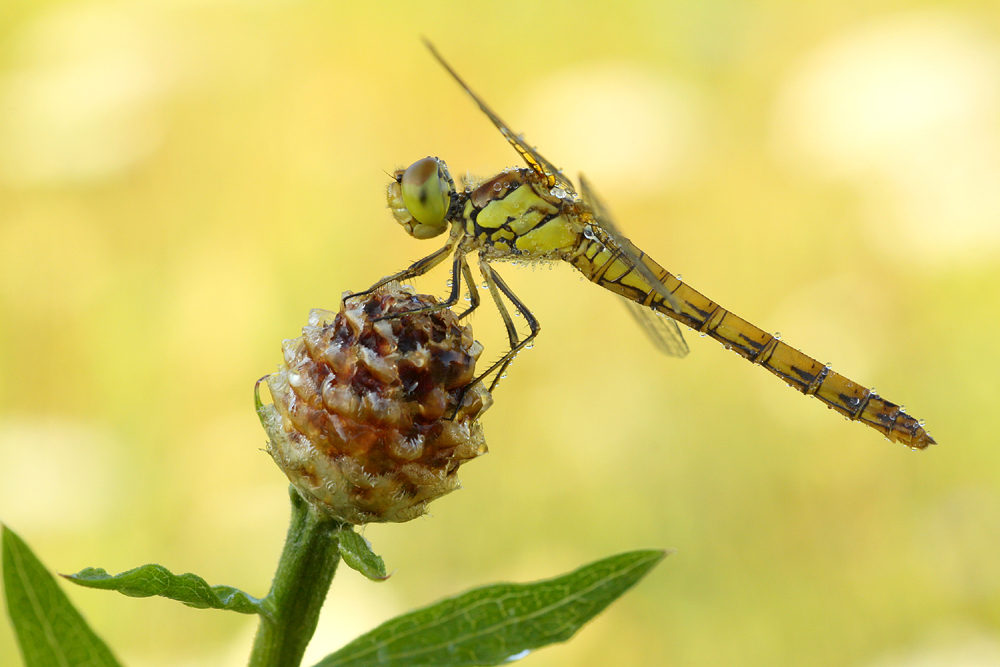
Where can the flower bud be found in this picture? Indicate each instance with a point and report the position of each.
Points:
(366, 421)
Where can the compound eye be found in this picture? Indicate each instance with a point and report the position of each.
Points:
(425, 192)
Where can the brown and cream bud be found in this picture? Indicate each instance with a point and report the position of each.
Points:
(366, 421)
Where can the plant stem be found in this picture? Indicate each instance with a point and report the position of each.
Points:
(299, 589)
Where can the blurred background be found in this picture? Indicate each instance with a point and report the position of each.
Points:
(181, 181)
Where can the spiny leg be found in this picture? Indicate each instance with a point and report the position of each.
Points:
(470, 282)
(458, 267)
(418, 268)
(496, 285)
(491, 278)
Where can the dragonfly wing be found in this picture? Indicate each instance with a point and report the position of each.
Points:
(662, 330)
(624, 249)
(533, 158)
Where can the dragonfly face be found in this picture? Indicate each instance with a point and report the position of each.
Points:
(420, 197)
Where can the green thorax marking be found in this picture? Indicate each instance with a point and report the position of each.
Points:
(514, 215)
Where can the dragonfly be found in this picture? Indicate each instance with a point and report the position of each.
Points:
(536, 214)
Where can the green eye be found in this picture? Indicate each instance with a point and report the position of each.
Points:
(425, 192)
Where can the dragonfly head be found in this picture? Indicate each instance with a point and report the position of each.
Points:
(420, 197)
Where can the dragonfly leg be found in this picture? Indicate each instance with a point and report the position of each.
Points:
(497, 286)
(418, 268)
(457, 271)
(470, 282)
(491, 278)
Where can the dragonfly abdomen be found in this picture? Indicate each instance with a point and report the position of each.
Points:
(812, 378)
(857, 403)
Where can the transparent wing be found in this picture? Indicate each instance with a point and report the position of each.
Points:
(533, 158)
(662, 330)
(608, 233)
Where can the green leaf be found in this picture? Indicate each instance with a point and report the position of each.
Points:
(357, 553)
(149, 580)
(498, 623)
(49, 629)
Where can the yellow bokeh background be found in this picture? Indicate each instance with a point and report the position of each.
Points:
(182, 180)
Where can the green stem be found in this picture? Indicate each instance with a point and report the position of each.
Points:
(300, 585)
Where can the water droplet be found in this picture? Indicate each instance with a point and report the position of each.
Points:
(921, 422)
(777, 335)
(558, 192)
(517, 313)
(588, 233)
(703, 334)
(679, 277)
(530, 344)
(496, 187)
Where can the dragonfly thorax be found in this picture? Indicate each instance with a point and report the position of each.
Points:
(514, 216)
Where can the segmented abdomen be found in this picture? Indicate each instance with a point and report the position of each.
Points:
(603, 266)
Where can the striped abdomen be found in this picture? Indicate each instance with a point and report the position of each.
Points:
(602, 266)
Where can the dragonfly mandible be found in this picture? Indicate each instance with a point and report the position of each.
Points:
(537, 214)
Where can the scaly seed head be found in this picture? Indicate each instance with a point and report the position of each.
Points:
(366, 422)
